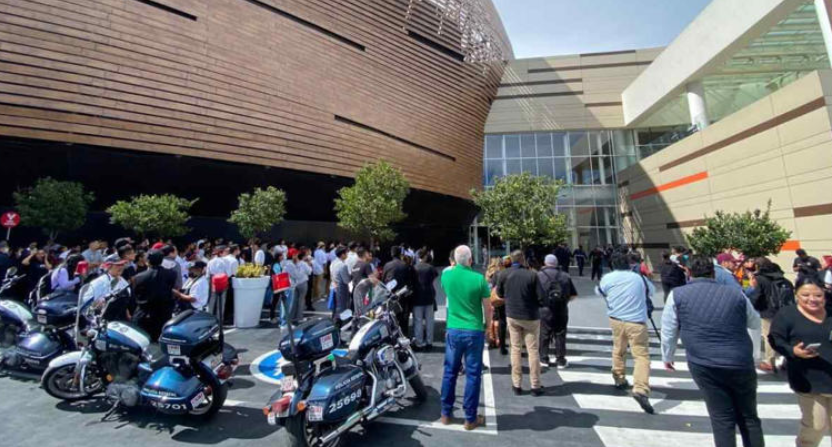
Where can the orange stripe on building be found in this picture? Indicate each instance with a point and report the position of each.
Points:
(667, 186)
(790, 246)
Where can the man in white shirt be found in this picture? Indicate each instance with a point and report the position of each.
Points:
(318, 265)
(299, 272)
(195, 291)
(231, 262)
(170, 263)
(102, 286)
(352, 256)
(217, 265)
(282, 248)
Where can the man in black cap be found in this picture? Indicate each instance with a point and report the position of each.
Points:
(153, 289)
(195, 292)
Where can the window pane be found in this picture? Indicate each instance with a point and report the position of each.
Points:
(493, 170)
(559, 143)
(512, 167)
(605, 143)
(544, 145)
(624, 144)
(527, 144)
(581, 171)
(608, 173)
(512, 146)
(560, 169)
(545, 168)
(530, 166)
(578, 143)
(494, 146)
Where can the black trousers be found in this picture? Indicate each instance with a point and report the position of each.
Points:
(596, 271)
(502, 326)
(580, 267)
(731, 399)
(553, 332)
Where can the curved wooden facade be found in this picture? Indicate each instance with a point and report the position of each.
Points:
(320, 86)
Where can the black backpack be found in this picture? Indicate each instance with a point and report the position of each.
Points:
(554, 292)
(782, 294)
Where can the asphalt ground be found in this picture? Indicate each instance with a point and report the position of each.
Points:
(580, 407)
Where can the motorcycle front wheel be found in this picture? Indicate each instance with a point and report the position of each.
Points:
(419, 388)
(60, 384)
(302, 434)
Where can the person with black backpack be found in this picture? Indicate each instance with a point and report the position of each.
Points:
(770, 292)
(554, 314)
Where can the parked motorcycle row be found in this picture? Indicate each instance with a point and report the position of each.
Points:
(81, 355)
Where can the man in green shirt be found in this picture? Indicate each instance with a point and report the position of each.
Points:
(469, 312)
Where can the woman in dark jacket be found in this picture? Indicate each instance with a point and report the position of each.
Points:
(801, 334)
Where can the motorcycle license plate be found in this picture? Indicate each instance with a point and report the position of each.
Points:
(174, 350)
(197, 400)
(42, 319)
(316, 413)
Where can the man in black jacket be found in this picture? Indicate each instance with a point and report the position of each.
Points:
(672, 275)
(153, 290)
(6, 260)
(770, 291)
(554, 316)
(521, 289)
(405, 276)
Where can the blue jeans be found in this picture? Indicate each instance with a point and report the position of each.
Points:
(462, 345)
(287, 307)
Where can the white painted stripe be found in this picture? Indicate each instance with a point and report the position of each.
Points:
(631, 437)
(437, 425)
(677, 407)
(657, 365)
(488, 391)
(678, 383)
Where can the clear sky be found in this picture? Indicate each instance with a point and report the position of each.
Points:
(554, 27)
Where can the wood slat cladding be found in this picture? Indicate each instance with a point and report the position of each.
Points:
(167, 8)
(259, 87)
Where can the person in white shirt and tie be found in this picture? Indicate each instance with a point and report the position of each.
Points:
(320, 288)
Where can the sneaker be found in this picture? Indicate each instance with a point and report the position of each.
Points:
(537, 392)
(644, 403)
(517, 391)
(623, 385)
(562, 363)
(479, 422)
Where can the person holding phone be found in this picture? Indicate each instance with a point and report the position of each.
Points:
(801, 334)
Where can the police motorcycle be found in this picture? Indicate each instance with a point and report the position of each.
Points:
(189, 375)
(50, 333)
(15, 317)
(322, 396)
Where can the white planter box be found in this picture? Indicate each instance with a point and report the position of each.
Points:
(248, 300)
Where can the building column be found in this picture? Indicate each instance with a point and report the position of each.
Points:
(696, 105)
(823, 8)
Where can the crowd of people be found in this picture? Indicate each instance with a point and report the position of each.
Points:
(721, 308)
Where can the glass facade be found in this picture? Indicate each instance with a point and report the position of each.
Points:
(586, 161)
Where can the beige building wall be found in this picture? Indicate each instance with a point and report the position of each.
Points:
(778, 149)
(581, 91)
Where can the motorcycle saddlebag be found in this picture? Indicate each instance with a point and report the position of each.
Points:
(171, 392)
(336, 394)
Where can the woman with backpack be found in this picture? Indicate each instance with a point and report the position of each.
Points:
(770, 291)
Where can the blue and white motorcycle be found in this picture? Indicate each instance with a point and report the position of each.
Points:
(15, 317)
(323, 396)
(188, 375)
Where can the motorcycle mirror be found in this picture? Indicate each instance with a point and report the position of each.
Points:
(345, 315)
(391, 285)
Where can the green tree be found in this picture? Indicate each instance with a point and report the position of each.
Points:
(520, 209)
(259, 211)
(752, 233)
(158, 215)
(54, 206)
(374, 202)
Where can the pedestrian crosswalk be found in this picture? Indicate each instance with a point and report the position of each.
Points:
(681, 416)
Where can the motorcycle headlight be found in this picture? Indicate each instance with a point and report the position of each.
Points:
(386, 356)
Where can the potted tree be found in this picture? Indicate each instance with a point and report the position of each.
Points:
(256, 214)
(250, 284)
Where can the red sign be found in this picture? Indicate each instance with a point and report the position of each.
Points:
(10, 220)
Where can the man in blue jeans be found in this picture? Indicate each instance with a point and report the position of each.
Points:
(469, 312)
